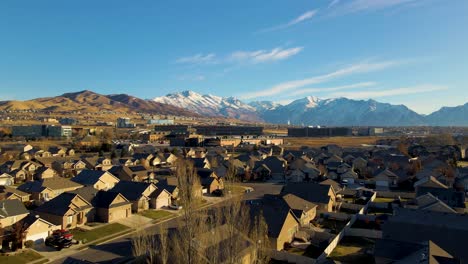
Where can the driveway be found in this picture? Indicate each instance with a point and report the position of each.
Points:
(135, 221)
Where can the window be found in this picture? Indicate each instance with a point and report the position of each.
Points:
(69, 219)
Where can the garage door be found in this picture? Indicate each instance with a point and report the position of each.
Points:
(162, 203)
(38, 238)
(118, 214)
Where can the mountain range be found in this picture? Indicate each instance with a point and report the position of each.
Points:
(315, 111)
(88, 101)
(305, 111)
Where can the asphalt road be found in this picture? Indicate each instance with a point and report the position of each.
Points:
(115, 251)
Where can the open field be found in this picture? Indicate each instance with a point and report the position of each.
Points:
(322, 141)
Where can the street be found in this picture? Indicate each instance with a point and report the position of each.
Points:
(119, 249)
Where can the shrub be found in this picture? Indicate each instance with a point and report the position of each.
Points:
(29, 244)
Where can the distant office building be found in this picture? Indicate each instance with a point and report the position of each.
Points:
(32, 131)
(59, 131)
(319, 132)
(37, 131)
(124, 122)
(68, 121)
(161, 122)
(228, 130)
(375, 131)
(173, 130)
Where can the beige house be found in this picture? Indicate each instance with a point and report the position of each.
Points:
(38, 229)
(100, 180)
(111, 207)
(46, 189)
(11, 211)
(68, 210)
(303, 210)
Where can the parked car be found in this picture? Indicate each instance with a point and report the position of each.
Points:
(60, 239)
(248, 190)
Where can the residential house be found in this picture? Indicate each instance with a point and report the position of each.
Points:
(447, 230)
(107, 206)
(100, 180)
(6, 179)
(303, 210)
(138, 193)
(9, 193)
(281, 222)
(385, 179)
(44, 173)
(322, 195)
(11, 211)
(68, 210)
(46, 189)
(38, 229)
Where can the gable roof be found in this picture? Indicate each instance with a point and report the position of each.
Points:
(10, 208)
(105, 199)
(430, 181)
(309, 191)
(90, 177)
(297, 204)
(130, 189)
(61, 204)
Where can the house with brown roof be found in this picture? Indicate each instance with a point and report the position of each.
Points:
(303, 210)
(100, 180)
(322, 195)
(11, 211)
(46, 189)
(68, 210)
(8, 193)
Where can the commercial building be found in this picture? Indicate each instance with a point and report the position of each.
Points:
(161, 122)
(319, 132)
(228, 130)
(124, 122)
(37, 131)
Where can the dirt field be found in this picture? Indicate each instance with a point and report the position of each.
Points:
(319, 142)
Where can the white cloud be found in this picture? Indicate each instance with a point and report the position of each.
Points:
(260, 56)
(331, 89)
(197, 59)
(355, 6)
(333, 3)
(363, 67)
(305, 16)
(425, 88)
(189, 77)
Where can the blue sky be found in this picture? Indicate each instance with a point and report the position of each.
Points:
(411, 52)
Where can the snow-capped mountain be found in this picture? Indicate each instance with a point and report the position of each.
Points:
(311, 110)
(211, 105)
(342, 112)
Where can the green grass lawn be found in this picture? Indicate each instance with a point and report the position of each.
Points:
(97, 233)
(155, 215)
(383, 200)
(353, 250)
(23, 257)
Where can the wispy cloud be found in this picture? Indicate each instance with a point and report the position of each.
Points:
(425, 88)
(305, 16)
(197, 59)
(190, 77)
(333, 3)
(331, 89)
(362, 67)
(354, 6)
(260, 56)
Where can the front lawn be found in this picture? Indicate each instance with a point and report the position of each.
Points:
(98, 233)
(155, 214)
(20, 258)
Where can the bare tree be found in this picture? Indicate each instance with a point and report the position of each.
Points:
(189, 186)
(259, 236)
